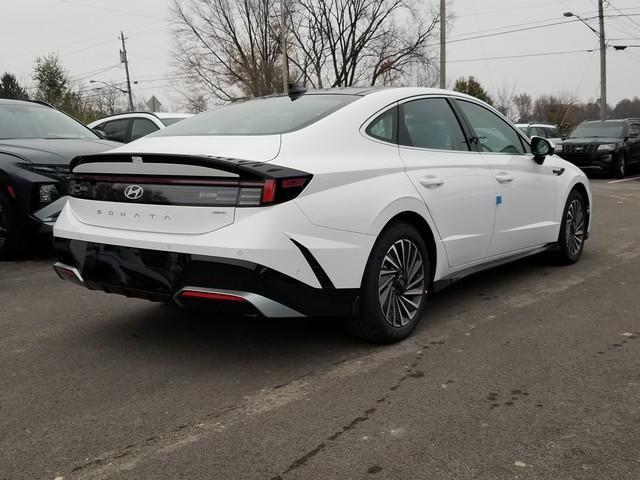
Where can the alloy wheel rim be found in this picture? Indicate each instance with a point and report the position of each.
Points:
(401, 283)
(575, 224)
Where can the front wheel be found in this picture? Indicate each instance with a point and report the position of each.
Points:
(573, 229)
(9, 233)
(620, 168)
(394, 287)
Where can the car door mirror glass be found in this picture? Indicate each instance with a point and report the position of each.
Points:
(541, 147)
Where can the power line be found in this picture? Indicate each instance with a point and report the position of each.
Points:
(526, 55)
(114, 10)
(627, 16)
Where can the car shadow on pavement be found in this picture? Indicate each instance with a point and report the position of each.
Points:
(144, 326)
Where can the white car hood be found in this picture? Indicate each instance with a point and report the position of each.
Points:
(261, 148)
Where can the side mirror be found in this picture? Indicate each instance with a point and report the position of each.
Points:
(541, 148)
(99, 133)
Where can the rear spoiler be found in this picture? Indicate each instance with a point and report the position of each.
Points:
(247, 169)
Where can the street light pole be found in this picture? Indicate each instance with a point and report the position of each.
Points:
(603, 63)
(443, 44)
(283, 46)
(603, 55)
(125, 60)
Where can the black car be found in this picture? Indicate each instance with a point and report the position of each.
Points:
(611, 146)
(37, 144)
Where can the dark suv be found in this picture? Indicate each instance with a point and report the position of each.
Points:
(611, 146)
(37, 144)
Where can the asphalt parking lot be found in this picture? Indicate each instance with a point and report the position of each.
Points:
(530, 371)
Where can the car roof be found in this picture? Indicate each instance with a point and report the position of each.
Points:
(35, 103)
(158, 115)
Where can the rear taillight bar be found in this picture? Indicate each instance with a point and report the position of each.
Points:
(188, 191)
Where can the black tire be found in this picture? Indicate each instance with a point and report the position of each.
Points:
(401, 287)
(9, 232)
(621, 166)
(573, 227)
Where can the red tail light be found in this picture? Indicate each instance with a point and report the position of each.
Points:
(221, 297)
(269, 191)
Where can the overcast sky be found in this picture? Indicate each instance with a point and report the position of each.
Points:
(85, 35)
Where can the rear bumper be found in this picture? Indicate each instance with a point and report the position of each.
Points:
(165, 276)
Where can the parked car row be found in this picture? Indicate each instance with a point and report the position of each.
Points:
(127, 127)
(611, 147)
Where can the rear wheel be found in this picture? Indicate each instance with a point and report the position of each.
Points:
(394, 286)
(573, 230)
(9, 233)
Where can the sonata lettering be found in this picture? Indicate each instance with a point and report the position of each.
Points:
(122, 213)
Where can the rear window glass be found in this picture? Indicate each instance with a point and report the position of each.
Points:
(263, 116)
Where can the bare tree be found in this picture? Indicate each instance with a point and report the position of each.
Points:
(350, 42)
(230, 47)
(504, 102)
(524, 106)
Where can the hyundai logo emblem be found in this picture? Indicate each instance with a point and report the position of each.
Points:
(133, 192)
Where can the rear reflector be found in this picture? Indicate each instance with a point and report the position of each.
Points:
(221, 297)
(269, 191)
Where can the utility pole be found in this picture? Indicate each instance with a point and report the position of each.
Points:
(123, 59)
(603, 63)
(283, 46)
(443, 43)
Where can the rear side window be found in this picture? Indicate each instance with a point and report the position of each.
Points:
(117, 130)
(142, 127)
(494, 134)
(430, 123)
(384, 127)
(263, 116)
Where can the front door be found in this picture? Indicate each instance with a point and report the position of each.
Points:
(526, 192)
(454, 181)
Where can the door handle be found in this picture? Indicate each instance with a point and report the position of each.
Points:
(431, 181)
(504, 178)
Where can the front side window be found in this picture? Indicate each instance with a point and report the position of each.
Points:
(553, 132)
(494, 134)
(430, 123)
(262, 116)
(24, 120)
(142, 127)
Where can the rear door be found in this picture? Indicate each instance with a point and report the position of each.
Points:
(526, 191)
(454, 181)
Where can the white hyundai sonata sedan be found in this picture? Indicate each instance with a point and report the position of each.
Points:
(350, 202)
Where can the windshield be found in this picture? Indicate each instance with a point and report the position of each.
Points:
(598, 130)
(35, 121)
(171, 121)
(264, 116)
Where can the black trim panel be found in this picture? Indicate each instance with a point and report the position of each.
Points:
(321, 275)
(158, 275)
